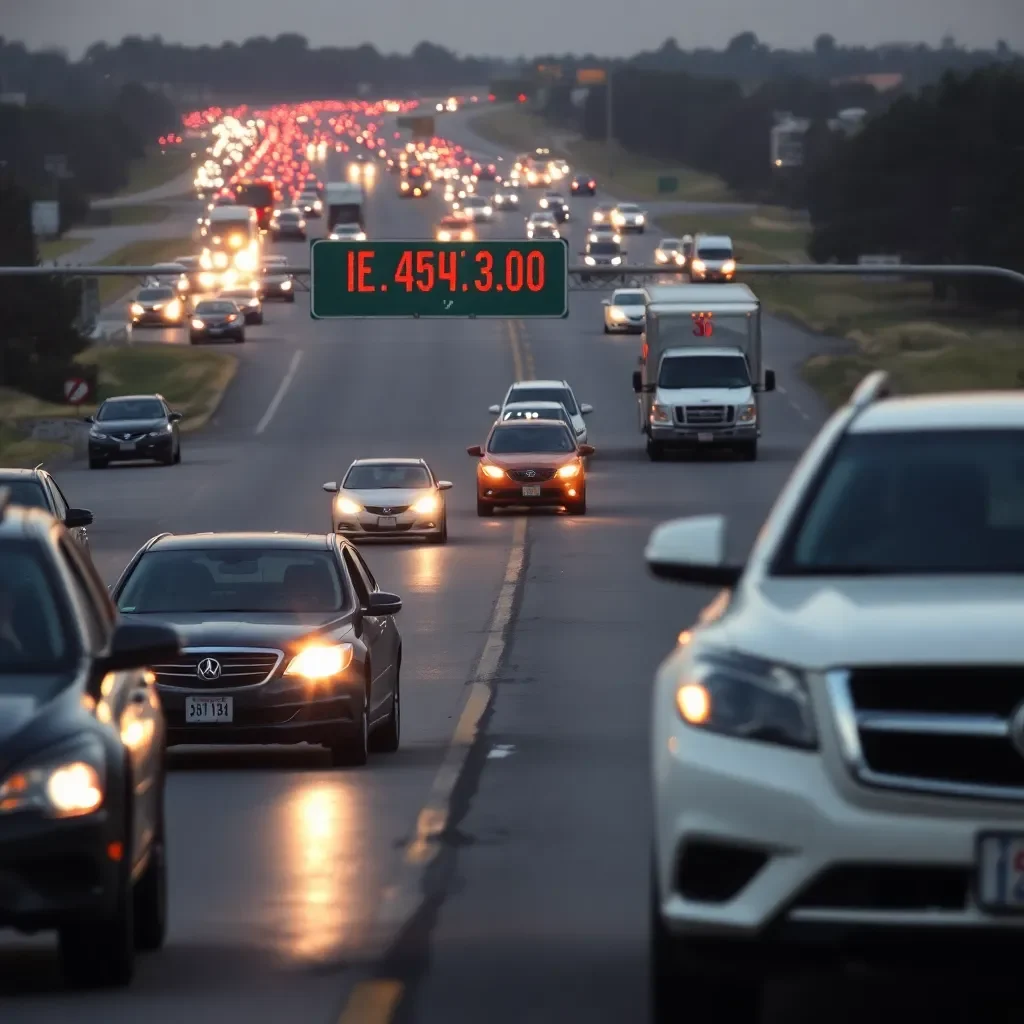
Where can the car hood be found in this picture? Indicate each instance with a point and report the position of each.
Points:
(628, 310)
(530, 460)
(822, 622)
(26, 704)
(256, 629)
(389, 496)
(127, 426)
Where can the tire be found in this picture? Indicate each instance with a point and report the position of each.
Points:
(353, 751)
(168, 460)
(655, 450)
(578, 507)
(193, 340)
(388, 736)
(442, 537)
(259, 320)
(177, 455)
(606, 329)
(291, 297)
(240, 338)
(99, 951)
(749, 452)
(484, 508)
(97, 464)
(682, 989)
(150, 896)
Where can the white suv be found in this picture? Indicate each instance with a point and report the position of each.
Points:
(838, 744)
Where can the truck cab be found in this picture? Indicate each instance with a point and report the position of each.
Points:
(701, 371)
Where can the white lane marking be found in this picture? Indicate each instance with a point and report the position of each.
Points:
(501, 750)
(281, 392)
(797, 407)
(400, 901)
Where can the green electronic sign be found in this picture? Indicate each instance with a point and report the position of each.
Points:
(497, 280)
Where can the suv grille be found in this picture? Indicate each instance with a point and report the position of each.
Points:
(704, 415)
(941, 729)
(386, 510)
(531, 476)
(237, 668)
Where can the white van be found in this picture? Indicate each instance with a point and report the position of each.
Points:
(713, 259)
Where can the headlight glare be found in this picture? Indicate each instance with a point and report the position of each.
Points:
(59, 784)
(747, 698)
(569, 471)
(320, 661)
(348, 507)
(493, 472)
(427, 505)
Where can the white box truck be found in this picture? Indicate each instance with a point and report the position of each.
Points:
(701, 369)
(344, 204)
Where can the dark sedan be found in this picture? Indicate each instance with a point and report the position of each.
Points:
(584, 186)
(287, 639)
(216, 319)
(247, 300)
(82, 755)
(134, 427)
(276, 282)
(160, 306)
(35, 488)
(289, 224)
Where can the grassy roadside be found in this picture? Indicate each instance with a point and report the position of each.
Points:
(121, 216)
(192, 380)
(57, 247)
(633, 177)
(157, 168)
(925, 344)
(142, 253)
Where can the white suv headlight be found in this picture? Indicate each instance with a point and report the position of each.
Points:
(747, 698)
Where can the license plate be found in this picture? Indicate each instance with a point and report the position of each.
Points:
(203, 710)
(387, 522)
(705, 437)
(533, 491)
(1001, 872)
(127, 446)
(216, 330)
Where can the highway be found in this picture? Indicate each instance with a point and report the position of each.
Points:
(542, 630)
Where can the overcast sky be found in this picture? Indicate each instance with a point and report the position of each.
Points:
(513, 27)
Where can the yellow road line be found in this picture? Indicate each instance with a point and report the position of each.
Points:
(372, 1002)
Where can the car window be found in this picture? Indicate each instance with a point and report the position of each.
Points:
(35, 627)
(628, 298)
(60, 506)
(561, 395)
(26, 493)
(231, 579)
(155, 294)
(365, 569)
(905, 503)
(130, 409)
(384, 476)
(361, 584)
(540, 439)
(212, 308)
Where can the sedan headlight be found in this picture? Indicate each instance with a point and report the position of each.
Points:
(320, 661)
(640, 218)
(137, 310)
(493, 472)
(427, 505)
(286, 286)
(165, 429)
(698, 266)
(544, 203)
(590, 261)
(198, 325)
(488, 211)
(444, 236)
(172, 310)
(64, 783)
(747, 698)
(616, 260)
(617, 315)
(348, 507)
(569, 471)
(729, 267)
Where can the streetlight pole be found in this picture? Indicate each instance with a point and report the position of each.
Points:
(609, 136)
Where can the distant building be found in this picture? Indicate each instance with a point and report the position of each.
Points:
(787, 136)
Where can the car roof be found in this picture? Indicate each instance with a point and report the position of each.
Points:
(524, 384)
(508, 424)
(128, 398)
(719, 240)
(17, 474)
(536, 405)
(972, 410)
(201, 541)
(389, 462)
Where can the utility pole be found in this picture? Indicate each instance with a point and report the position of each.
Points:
(609, 139)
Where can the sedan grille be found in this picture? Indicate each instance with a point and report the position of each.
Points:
(937, 729)
(704, 415)
(531, 476)
(233, 668)
(386, 510)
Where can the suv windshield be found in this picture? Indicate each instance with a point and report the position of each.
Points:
(383, 476)
(604, 249)
(34, 638)
(234, 580)
(704, 372)
(130, 409)
(155, 294)
(561, 395)
(628, 299)
(535, 413)
(211, 308)
(714, 254)
(506, 439)
(905, 503)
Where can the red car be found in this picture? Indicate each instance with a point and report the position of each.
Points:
(531, 463)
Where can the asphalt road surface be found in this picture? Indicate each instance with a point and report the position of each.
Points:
(514, 868)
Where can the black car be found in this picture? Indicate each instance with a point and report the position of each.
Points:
(248, 302)
(159, 306)
(602, 254)
(81, 756)
(216, 319)
(557, 205)
(584, 186)
(288, 639)
(289, 224)
(276, 282)
(35, 488)
(133, 427)
(506, 199)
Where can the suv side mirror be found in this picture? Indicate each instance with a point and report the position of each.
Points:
(494, 409)
(638, 382)
(139, 645)
(586, 449)
(175, 417)
(769, 380)
(77, 517)
(89, 419)
(444, 485)
(475, 450)
(331, 487)
(586, 408)
(381, 603)
(606, 302)
(692, 550)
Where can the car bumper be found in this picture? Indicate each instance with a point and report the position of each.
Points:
(791, 856)
(230, 332)
(148, 448)
(552, 494)
(712, 275)
(53, 870)
(275, 291)
(706, 437)
(292, 233)
(624, 326)
(156, 320)
(272, 713)
(407, 524)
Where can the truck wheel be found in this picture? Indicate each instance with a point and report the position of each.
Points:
(749, 451)
(655, 450)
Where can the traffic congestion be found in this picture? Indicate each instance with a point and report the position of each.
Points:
(373, 685)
